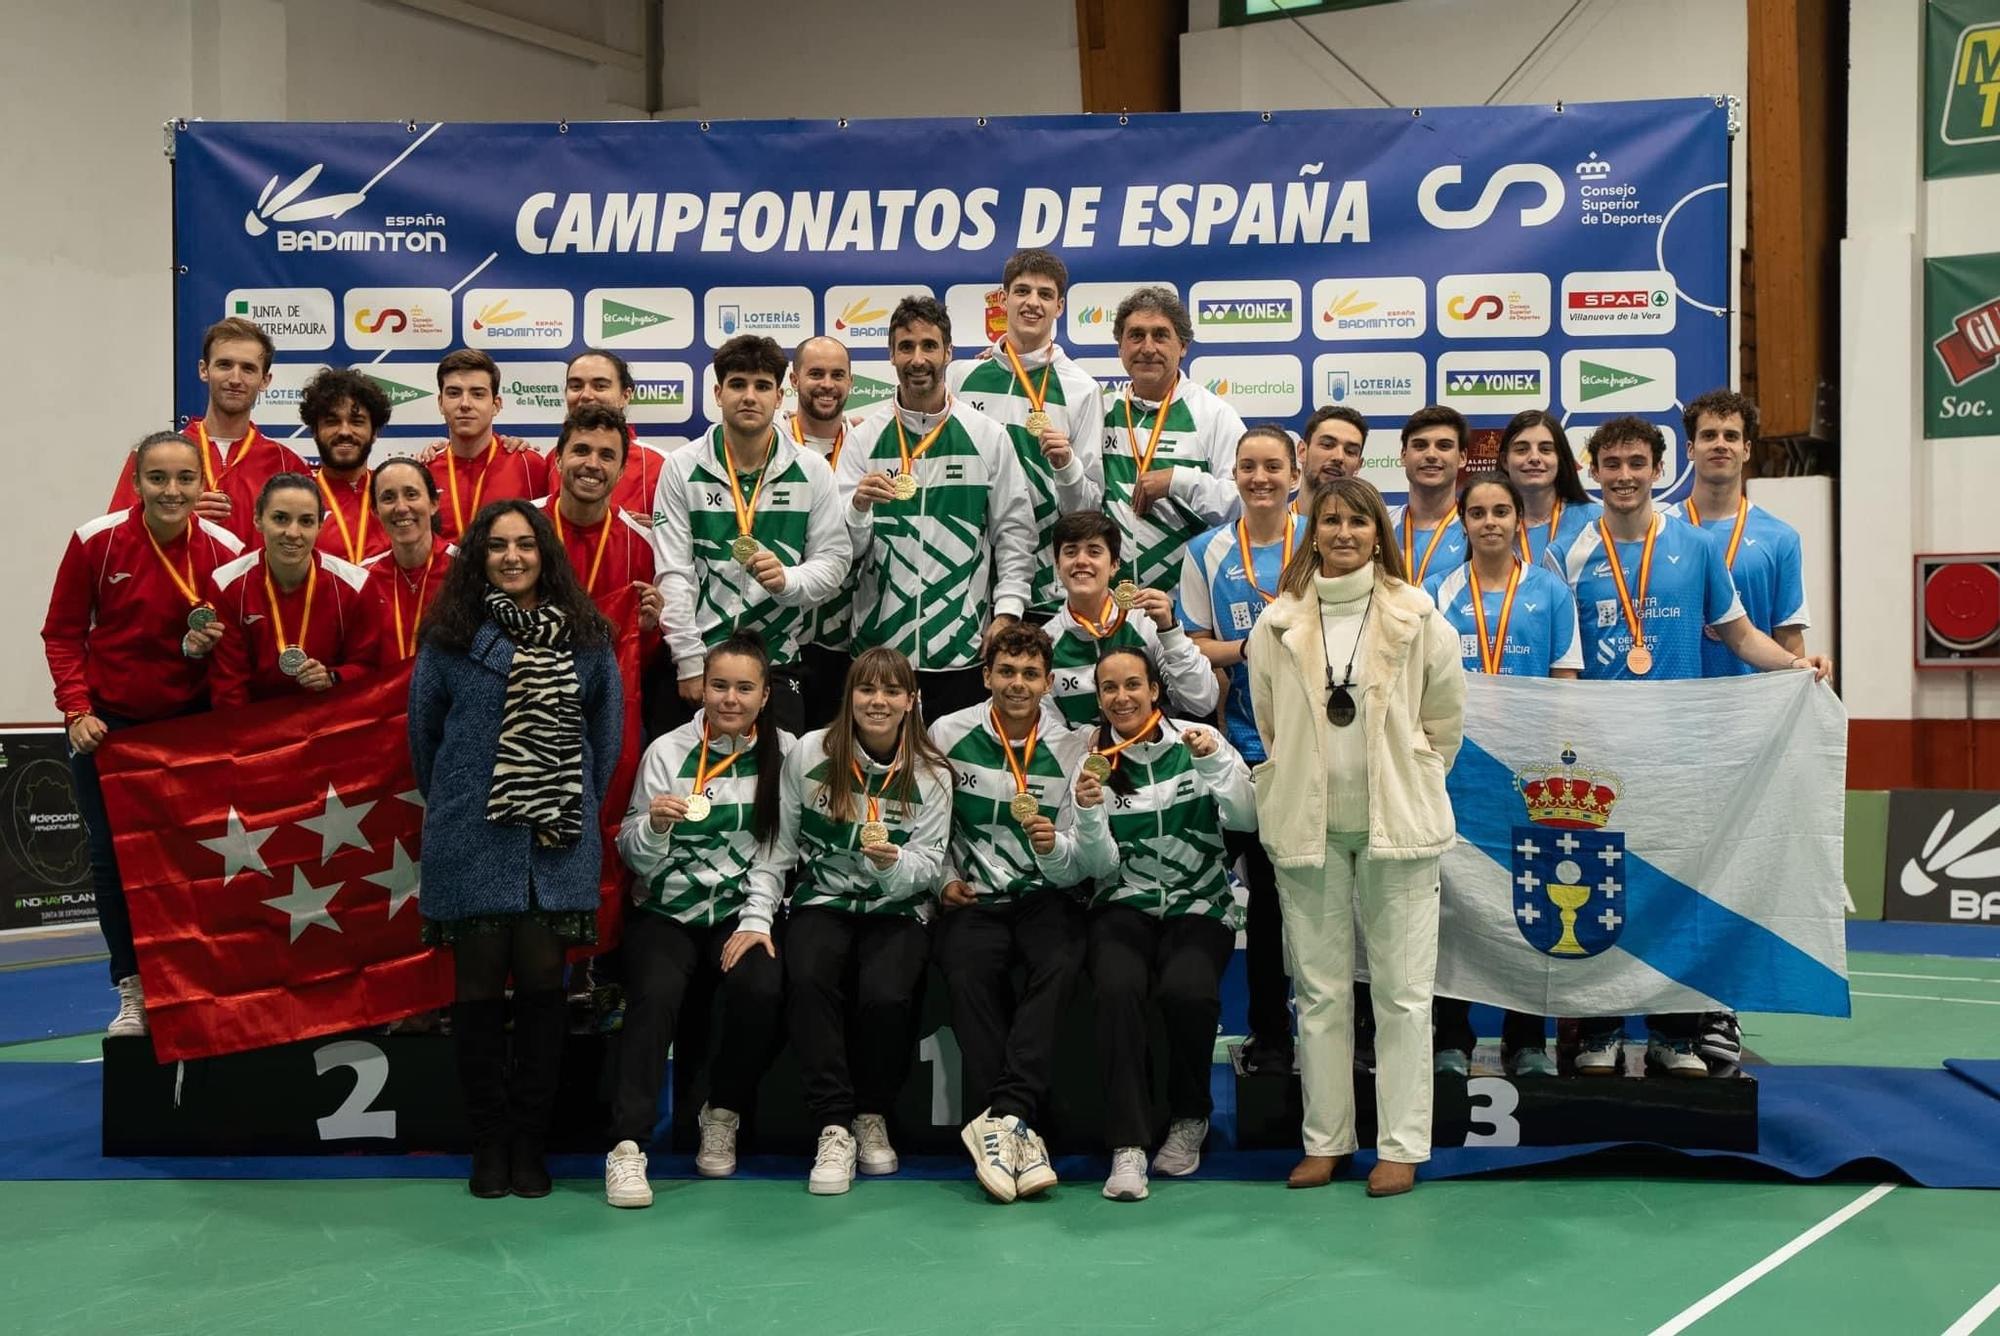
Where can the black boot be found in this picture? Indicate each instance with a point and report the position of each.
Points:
(479, 1034)
(541, 1021)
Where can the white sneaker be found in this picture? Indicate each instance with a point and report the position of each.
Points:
(833, 1166)
(717, 1156)
(1032, 1171)
(1600, 1057)
(992, 1144)
(1675, 1057)
(625, 1176)
(873, 1154)
(1128, 1174)
(1180, 1153)
(131, 1017)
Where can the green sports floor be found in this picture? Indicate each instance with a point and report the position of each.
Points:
(1594, 1246)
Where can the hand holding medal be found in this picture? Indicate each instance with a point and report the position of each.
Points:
(664, 810)
(872, 837)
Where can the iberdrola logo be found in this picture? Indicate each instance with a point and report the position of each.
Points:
(1220, 385)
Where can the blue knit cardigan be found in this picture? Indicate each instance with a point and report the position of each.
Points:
(472, 866)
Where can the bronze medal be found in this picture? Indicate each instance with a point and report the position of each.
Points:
(1639, 659)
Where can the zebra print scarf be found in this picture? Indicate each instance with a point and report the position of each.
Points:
(538, 766)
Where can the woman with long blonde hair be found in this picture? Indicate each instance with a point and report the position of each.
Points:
(1359, 697)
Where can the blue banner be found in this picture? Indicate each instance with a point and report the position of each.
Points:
(1490, 258)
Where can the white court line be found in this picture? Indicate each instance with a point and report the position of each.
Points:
(1976, 1314)
(1934, 978)
(1695, 1312)
(1919, 997)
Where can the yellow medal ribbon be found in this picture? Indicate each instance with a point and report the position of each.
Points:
(451, 477)
(702, 770)
(1735, 534)
(407, 645)
(1145, 461)
(211, 475)
(1410, 563)
(186, 584)
(1555, 522)
(1111, 753)
(1100, 632)
(305, 617)
(1250, 567)
(603, 542)
(746, 512)
(1036, 397)
(839, 439)
(351, 540)
(1491, 655)
(1018, 768)
(1626, 602)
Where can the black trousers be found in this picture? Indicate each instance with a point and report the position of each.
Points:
(950, 689)
(1176, 964)
(1671, 1025)
(1008, 1042)
(662, 709)
(1451, 1028)
(854, 984)
(672, 972)
(822, 680)
(1264, 945)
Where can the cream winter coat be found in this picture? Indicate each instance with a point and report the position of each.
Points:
(1410, 685)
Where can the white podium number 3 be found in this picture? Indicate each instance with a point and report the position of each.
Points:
(354, 1120)
(1493, 1104)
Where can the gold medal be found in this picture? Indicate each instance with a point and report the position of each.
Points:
(905, 485)
(1639, 659)
(744, 549)
(697, 807)
(1125, 595)
(1097, 765)
(1024, 807)
(874, 832)
(1038, 424)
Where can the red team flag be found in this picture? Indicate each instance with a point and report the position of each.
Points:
(271, 858)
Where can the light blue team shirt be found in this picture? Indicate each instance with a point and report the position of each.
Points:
(1690, 591)
(1216, 599)
(1450, 549)
(1769, 579)
(1576, 517)
(1541, 633)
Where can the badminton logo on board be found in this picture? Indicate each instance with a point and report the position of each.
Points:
(1569, 872)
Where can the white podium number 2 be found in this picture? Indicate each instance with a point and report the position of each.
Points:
(1493, 1104)
(354, 1120)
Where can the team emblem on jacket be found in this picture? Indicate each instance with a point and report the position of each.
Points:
(1569, 871)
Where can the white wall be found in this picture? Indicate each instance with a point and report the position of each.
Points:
(86, 240)
(1901, 494)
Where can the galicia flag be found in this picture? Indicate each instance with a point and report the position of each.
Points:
(271, 858)
(1648, 847)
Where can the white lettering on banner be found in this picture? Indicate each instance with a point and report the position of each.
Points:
(319, 239)
(1180, 213)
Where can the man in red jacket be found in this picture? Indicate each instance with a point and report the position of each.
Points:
(236, 458)
(473, 469)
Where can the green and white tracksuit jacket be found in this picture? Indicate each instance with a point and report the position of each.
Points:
(1075, 402)
(707, 593)
(1159, 848)
(833, 873)
(1199, 444)
(989, 851)
(695, 872)
(931, 571)
(1189, 678)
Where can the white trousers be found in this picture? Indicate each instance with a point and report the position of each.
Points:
(1396, 902)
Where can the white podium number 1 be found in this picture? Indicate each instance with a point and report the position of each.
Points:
(940, 1050)
(354, 1120)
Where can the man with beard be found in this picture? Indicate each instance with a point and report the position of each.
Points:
(236, 459)
(822, 378)
(1330, 447)
(607, 548)
(346, 411)
(939, 516)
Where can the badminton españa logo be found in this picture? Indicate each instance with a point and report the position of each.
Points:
(1569, 871)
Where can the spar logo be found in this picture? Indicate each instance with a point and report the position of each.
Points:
(1539, 183)
(859, 316)
(638, 318)
(1493, 306)
(519, 318)
(1254, 386)
(1492, 383)
(1972, 100)
(297, 202)
(1369, 308)
(1253, 312)
(784, 314)
(1637, 301)
(412, 319)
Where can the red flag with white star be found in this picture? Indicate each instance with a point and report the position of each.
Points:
(271, 861)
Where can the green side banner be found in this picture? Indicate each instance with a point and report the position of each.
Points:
(1962, 345)
(1962, 88)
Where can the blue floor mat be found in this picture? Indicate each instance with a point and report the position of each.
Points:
(1969, 940)
(46, 1001)
(1937, 1128)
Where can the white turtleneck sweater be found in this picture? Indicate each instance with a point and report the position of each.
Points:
(1342, 600)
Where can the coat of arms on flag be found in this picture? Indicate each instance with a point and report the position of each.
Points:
(1569, 890)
